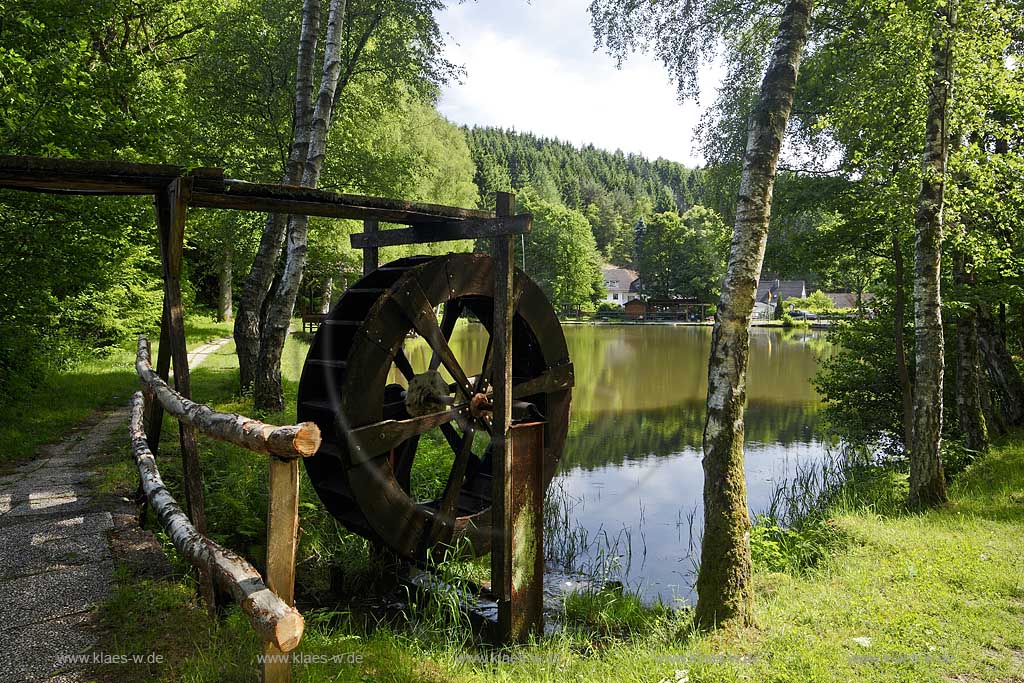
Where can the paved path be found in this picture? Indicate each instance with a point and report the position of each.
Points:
(55, 562)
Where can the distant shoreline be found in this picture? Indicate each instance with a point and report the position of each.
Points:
(774, 324)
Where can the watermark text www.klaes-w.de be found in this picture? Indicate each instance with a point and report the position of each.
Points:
(110, 658)
(309, 658)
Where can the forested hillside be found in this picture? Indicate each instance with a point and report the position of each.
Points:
(612, 189)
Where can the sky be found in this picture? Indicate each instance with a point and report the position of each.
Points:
(532, 67)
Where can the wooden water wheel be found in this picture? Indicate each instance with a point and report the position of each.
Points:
(374, 405)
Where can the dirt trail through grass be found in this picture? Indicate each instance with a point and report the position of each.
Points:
(55, 561)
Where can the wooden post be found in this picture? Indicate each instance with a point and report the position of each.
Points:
(371, 255)
(525, 481)
(171, 212)
(501, 380)
(282, 540)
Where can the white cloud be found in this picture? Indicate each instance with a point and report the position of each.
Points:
(533, 68)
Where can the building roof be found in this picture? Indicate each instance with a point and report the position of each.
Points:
(771, 291)
(848, 299)
(618, 279)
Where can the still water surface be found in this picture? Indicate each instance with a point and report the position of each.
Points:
(633, 456)
(631, 469)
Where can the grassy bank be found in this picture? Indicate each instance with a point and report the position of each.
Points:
(880, 595)
(64, 399)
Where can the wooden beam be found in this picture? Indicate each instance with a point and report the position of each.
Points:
(236, 194)
(475, 228)
(501, 380)
(371, 255)
(154, 411)
(86, 176)
(289, 442)
(272, 616)
(171, 210)
(526, 493)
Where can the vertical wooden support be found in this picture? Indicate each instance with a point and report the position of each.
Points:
(526, 493)
(371, 255)
(171, 212)
(501, 380)
(282, 541)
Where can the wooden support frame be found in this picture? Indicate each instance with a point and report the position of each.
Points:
(171, 212)
(175, 189)
(501, 445)
(282, 542)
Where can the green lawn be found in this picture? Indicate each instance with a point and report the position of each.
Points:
(65, 399)
(937, 596)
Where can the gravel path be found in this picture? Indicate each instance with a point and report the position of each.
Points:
(55, 562)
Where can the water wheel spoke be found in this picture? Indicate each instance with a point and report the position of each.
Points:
(452, 437)
(452, 311)
(369, 441)
(403, 365)
(456, 477)
(554, 379)
(417, 309)
(484, 378)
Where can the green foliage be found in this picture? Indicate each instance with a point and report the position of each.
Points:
(860, 385)
(684, 255)
(561, 254)
(611, 612)
(816, 302)
(613, 190)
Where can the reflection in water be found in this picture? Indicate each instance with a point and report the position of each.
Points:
(633, 453)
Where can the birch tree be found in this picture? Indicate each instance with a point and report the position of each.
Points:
(247, 326)
(267, 390)
(927, 481)
(681, 34)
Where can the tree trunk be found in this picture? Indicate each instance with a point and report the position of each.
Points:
(268, 393)
(995, 420)
(969, 408)
(224, 307)
(1001, 369)
(927, 482)
(327, 295)
(724, 590)
(258, 283)
(902, 372)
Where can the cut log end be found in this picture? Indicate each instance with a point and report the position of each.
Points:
(307, 439)
(288, 631)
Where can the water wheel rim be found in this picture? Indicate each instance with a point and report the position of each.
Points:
(389, 514)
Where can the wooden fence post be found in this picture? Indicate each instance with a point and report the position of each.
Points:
(282, 541)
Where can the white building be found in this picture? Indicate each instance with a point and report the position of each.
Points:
(623, 285)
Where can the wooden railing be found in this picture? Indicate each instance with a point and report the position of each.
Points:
(269, 605)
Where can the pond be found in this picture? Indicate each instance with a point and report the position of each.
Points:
(632, 463)
(630, 478)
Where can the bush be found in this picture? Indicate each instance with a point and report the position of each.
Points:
(608, 307)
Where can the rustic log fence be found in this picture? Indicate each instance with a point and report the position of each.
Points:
(269, 606)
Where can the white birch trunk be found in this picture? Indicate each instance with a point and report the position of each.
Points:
(258, 284)
(724, 589)
(268, 393)
(927, 480)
